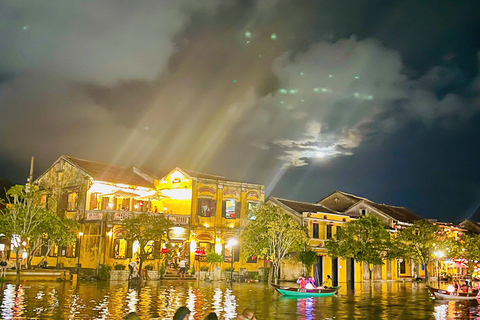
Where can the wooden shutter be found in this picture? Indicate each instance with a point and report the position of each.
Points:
(238, 209)
(77, 248)
(93, 201)
(129, 249)
(224, 208)
(43, 250)
(236, 253)
(63, 203)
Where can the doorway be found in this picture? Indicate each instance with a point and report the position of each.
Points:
(318, 270)
(335, 272)
(351, 273)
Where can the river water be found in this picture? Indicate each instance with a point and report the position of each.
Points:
(159, 300)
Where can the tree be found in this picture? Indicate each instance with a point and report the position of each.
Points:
(365, 240)
(56, 231)
(420, 241)
(22, 219)
(272, 235)
(467, 247)
(146, 228)
(308, 258)
(213, 258)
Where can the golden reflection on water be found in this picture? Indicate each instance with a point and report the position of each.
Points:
(159, 300)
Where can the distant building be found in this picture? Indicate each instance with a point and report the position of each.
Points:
(323, 220)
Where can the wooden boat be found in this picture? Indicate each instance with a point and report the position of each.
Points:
(446, 295)
(297, 292)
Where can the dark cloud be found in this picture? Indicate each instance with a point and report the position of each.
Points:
(305, 97)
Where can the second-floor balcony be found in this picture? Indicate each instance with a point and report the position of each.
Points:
(119, 215)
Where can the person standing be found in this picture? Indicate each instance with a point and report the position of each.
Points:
(3, 268)
(132, 266)
(182, 265)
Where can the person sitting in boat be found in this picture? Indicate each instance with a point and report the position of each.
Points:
(328, 283)
(302, 282)
(456, 286)
(465, 287)
(310, 284)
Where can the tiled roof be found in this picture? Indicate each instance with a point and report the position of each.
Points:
(301, 207)
(396, 213)
(200, 175)
(109, 172)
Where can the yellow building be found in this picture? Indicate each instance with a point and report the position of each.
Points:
(216, 207)
(394, 217)
(207, 212)
(322, 224)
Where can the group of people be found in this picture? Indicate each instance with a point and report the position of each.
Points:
(466, 287)
(310, 283)
(183, 313)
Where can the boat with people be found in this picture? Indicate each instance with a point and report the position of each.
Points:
(454, 295)
(303, 292)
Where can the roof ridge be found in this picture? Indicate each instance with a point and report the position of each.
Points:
(304, 202)
(206, 174)
(355, 196)
(98, 162)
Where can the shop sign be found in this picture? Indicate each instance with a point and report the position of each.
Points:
(91, 216)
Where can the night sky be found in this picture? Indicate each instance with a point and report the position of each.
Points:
(376, 98)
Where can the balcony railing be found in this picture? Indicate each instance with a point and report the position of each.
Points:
(116, 215)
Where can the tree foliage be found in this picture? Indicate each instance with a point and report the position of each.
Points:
(467, 248)
(213, 258)
(365, 240)
(420, 241)
(145, 228)
(308, 258)
(30, 225)
(272, 235)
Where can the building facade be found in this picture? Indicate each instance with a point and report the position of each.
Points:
(207, 212)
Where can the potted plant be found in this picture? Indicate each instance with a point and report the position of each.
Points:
(214, 258)
(119, 273)
(203, 272)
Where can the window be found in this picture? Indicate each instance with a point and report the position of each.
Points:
(252, 208)
(228, 253)
(339, 229)
(403, 267)
(363, 212)
(329, 231)
(72, 201)
(231, 209)
(206, 207)
(316, 233)
(44, 200)
(105, 202)
(71, 250)
(53, 251)
(120, 249)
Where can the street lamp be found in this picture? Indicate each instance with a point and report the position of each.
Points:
(232, 243)
(439, 254)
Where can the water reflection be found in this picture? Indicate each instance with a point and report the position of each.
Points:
(160, 300)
